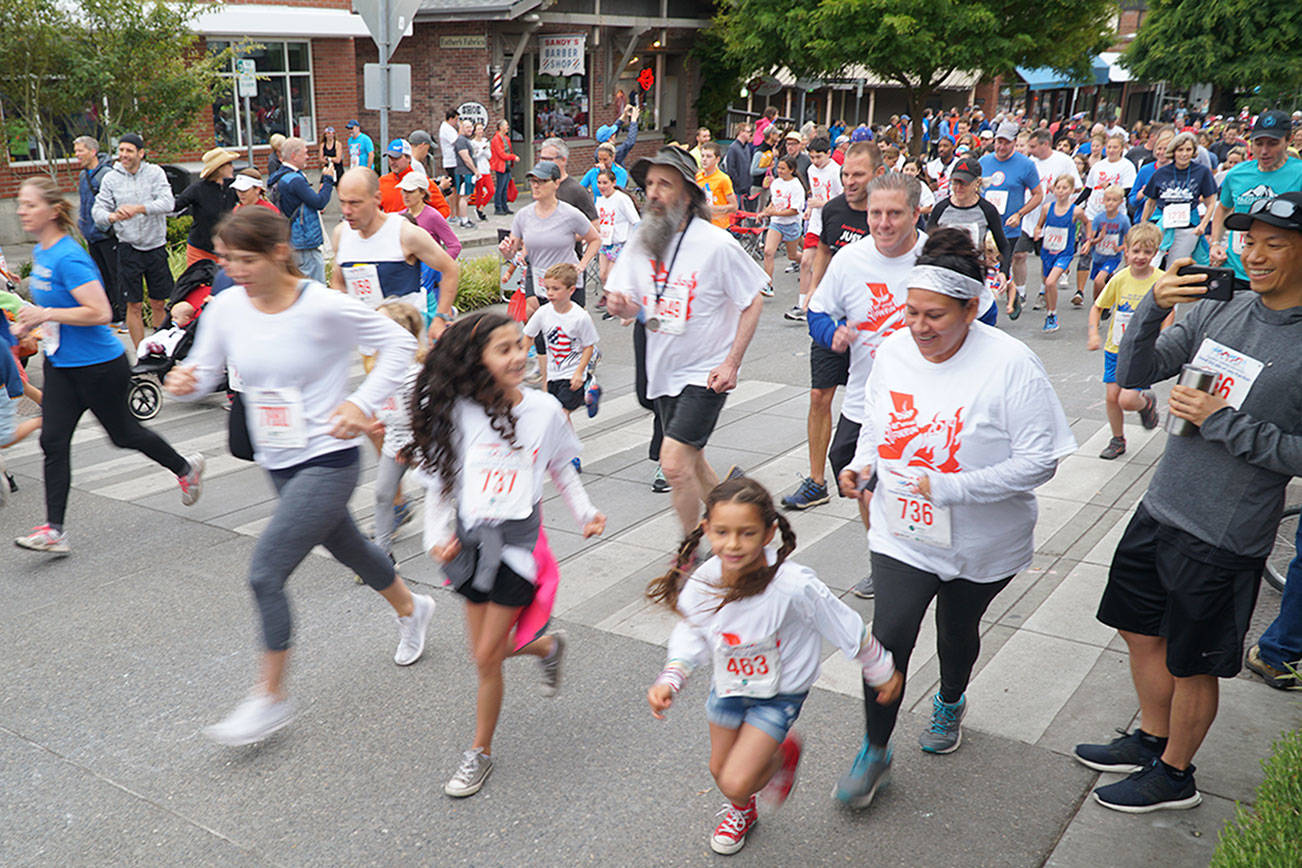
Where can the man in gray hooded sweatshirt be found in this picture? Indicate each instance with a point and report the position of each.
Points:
(135, 199)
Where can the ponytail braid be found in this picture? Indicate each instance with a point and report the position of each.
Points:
(665, 589)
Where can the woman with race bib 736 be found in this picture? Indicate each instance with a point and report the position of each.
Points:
(961, 425)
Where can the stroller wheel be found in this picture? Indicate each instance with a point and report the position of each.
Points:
(144, 399)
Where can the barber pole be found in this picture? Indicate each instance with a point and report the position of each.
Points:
(496, 88)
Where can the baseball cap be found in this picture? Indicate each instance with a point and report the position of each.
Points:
(1274, 124)
(861, 134)
(328, 130)
(1007, 130)
(1284, 211)
(545, 170)
(351, 124)
(987, 134)
(399, 148)
(966, 170)
(413, 181)
(420, 137)
(842, 139)
(793, 136)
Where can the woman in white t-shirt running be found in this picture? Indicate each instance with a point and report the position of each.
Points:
(961, 425)
(616, 217)
(292, 341)
(761, 621)
(786, 204)
(485, 445)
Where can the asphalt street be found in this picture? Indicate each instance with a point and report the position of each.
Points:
(116, 656)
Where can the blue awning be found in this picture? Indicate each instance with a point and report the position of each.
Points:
(1045, 78)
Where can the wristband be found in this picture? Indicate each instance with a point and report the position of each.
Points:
(446, 317)
(674, 674)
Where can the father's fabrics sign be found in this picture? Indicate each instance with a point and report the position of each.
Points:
(561, 55)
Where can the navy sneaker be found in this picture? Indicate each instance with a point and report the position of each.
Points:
(1151, 789)
(1127, 754)
(810, 493)
(946, 731)
(734, 472)
(870, 772)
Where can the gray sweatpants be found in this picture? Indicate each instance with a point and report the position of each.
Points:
(313, 510)
(388, 477)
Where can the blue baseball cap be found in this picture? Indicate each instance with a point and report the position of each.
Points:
(351, 124)
(399, 148)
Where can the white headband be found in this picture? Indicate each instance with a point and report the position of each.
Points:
(944, 281)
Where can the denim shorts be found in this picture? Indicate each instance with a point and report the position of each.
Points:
(8, 416)
(772, 716)
(788, 231)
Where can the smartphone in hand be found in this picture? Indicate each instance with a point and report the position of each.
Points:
(1221, 282)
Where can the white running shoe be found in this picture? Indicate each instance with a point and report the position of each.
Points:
(45, 539)
(192, 483)
(411, 630)
(257, 717)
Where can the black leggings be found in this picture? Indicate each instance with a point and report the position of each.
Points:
(903, 595)
(639, 377)
(101, 389)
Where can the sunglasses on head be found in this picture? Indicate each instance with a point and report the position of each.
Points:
(1281, 208)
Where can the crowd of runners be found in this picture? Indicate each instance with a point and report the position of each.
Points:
(907, 262)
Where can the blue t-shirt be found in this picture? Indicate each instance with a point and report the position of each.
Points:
(361, 149)
(1142, 177)
(56, 272)
(1114, 234)
(1172, 186)
(590, 179)
(1006, 183)
(1245, 184)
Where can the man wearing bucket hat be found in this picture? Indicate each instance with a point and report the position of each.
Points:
(400, 164)
(696, 293)
(207, 200)
(135, 199)
(1184, 578)
(1270, 172)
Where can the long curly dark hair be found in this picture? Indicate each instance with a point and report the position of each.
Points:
(666, 588)
(454, 369)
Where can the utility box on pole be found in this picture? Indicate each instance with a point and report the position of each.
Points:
(388, 21)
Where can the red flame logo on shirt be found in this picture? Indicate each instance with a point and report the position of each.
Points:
(932, 445)
(883, 314)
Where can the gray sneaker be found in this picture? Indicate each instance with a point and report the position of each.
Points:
(864, 590)
(474, 770)
(257, 717)
(870, 772)
(192, 482)
(1115, 449)
(945, 733)
(551, 665)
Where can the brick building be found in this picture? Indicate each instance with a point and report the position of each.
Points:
(310, 69)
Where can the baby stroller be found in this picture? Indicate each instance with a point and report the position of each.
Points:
(161, 351)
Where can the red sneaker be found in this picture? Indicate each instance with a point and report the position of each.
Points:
(730, 835)
(775, 792)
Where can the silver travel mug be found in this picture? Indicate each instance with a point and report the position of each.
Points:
(1195, 378)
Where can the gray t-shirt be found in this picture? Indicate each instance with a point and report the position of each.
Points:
(463, 144)
(549, 240)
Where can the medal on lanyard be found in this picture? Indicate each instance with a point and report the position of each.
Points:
(653, 322)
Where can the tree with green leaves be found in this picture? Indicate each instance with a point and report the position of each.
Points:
(915, 43)
(101, 68)
(1247, 49)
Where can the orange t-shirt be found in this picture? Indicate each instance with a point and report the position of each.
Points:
(717, 187)
(391, 196)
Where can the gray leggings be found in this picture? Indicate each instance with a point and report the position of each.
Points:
(313, 510)
(903, 595)
(388, 478)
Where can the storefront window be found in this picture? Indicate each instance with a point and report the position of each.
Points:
(560, 105)
(284, 102)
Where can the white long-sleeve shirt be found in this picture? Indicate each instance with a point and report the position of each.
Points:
(796, 612)
(304, 350)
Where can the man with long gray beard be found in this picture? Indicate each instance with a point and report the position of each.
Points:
(696, 293)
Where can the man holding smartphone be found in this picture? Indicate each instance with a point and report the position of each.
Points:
(1184, 578)
(1271, 172)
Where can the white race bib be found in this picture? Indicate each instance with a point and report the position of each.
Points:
(1176, 216)
(671, 311)
(1055, 238)
(606, 228)
(1236, 243)
(233, 380)
(1235, 371)
(1108, 244)
(751, 670)
(363, 283)
(1120, 319)
(277, 417)
(499, 482)
(910, 516)
(998, 198)
(49, 338)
